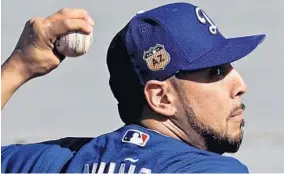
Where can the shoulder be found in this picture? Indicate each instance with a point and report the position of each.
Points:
(25, 157)
(71, 143)
(177, 156)
(202, 162)
(219, 164)
(170, 155)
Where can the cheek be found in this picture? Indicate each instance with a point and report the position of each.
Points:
(211, 107)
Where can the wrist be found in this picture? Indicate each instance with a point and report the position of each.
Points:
(15, 69)
(13, 76)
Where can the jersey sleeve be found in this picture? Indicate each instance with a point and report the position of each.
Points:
(33, 158)
(19, 158)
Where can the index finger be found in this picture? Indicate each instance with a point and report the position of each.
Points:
(71, 13)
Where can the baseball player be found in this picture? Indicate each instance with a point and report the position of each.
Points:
(177, 92)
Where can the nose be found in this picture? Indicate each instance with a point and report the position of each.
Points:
(239, 87)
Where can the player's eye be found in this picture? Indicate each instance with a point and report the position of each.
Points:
(217, 73)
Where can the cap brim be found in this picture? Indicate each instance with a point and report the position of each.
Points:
(229, 51)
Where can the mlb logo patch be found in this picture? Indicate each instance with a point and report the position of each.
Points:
(135, 137)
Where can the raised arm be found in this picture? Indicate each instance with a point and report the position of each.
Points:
(34, 54)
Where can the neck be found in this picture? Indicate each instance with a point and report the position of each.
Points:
(170, 128)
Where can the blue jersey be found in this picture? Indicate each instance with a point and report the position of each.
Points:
(130, 149)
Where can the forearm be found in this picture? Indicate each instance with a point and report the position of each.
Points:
(13, 76)
(34, 53)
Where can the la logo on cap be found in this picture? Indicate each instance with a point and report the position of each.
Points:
(157, 58)
(204, 19)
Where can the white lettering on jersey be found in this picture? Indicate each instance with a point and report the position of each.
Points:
(86, 168)
(111, 168)
(94, 168)
(204, 19)
(131, 160)
(131, 169)
(102, 167)
(145, 171)
(121, 168)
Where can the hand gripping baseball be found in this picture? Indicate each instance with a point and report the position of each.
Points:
(35, 49)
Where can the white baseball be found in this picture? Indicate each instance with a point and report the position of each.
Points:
(74, 44)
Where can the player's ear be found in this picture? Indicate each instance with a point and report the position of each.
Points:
(159, 97)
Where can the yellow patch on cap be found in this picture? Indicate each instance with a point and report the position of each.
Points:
(157, 58)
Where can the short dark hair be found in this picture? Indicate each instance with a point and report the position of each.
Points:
(124, 82)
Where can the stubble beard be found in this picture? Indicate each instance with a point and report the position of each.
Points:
(214, 141)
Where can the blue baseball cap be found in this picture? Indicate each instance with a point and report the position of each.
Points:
(158, 43)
